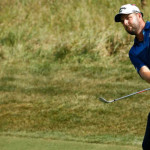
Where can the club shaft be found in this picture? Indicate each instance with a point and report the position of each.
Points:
(132, 94)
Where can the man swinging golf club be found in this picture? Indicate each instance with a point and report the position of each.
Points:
(132, 20)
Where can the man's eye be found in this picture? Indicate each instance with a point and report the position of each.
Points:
(129, 17)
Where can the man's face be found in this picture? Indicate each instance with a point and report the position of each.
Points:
(131, 23)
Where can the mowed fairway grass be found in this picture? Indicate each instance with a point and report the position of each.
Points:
(16, 143)
(57, 57)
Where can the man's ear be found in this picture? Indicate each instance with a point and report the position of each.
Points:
(139, 15)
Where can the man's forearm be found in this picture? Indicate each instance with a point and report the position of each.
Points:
(145, 73)
(147, 77)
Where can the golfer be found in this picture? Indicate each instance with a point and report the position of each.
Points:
(132, 20)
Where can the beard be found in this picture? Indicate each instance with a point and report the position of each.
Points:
(133, 28)
(132, 31)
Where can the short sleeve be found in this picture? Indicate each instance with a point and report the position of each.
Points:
(136, 62)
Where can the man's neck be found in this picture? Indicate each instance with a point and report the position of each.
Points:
(140, 35)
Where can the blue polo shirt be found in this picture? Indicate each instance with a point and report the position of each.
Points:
(140, 52)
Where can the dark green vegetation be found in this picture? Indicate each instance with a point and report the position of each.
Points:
(56, 59)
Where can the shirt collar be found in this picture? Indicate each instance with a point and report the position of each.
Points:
(147, 25)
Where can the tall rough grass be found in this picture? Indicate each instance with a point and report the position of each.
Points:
(61, 28)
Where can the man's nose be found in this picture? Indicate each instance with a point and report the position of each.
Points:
(125, 22)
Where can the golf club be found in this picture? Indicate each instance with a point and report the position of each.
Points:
(106, 101)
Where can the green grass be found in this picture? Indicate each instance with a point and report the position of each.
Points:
(102, 139)
(15, 143)
(56, 59)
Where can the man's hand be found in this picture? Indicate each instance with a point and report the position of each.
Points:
(145, 73)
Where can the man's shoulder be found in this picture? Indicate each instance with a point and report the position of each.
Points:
(136, 49)
(132, 50)
(147, 25)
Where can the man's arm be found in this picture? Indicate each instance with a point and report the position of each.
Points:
(145, 73)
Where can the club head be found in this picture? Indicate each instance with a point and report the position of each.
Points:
(105, 101)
